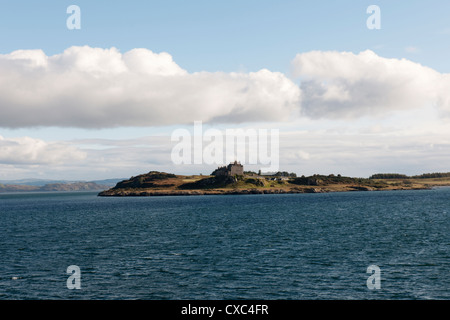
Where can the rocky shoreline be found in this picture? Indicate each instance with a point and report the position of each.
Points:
(141, 193)
(148, 193)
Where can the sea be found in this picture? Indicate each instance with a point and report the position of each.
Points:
(391, 245)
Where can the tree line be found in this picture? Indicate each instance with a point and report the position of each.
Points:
(403, 176)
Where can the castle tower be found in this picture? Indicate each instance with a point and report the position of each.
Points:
(232, 169)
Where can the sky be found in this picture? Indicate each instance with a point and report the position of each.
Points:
(102, 101)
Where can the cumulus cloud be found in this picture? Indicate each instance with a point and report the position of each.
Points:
(31, 151)
(99, 88)
(347, 85)
(88, 87)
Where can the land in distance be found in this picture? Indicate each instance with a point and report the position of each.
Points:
(166, 184)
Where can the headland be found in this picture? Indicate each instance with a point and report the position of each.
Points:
(233, 180)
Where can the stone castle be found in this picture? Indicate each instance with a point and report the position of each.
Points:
(232, 169)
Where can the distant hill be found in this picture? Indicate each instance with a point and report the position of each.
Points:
(32, 182)
(68, 186)
(43, 182)
(77, 186)
(17, 188)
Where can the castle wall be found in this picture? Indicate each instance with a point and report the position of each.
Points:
(236, 170)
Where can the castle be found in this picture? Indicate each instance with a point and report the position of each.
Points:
(231, 170)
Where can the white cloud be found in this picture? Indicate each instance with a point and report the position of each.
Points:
(30, 151)
(347, 85)
(98, 88)
(88, 87)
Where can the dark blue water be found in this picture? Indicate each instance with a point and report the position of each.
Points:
(299, 246)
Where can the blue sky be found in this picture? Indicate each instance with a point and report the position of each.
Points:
(233, 35)
(241, 37)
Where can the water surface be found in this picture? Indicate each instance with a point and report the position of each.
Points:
(294, 246)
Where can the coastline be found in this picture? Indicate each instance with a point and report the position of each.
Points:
(199, 192)
(166, 184)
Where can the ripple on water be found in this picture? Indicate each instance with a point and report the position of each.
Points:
(312, 246)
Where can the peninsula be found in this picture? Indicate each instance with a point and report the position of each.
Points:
(232, 179)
